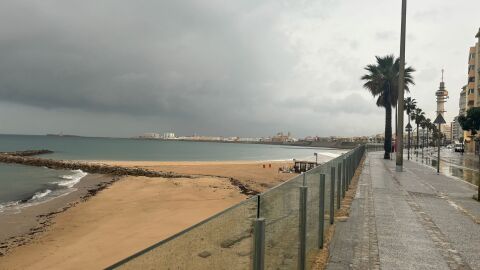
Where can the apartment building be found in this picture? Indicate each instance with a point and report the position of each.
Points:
(472, 88)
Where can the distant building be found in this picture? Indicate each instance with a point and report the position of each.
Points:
(150, 135)
(446, 129)
(248, 139)
(379, 138)
(456, 130)
(168, 136)
(462, 102)
(281, 138)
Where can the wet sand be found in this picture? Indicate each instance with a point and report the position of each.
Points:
(136, 212)
(18, 227)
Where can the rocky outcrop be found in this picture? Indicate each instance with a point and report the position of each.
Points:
(28, 153)
(84, 166)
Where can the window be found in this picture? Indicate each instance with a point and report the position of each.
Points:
(470, 91)
(471, 79)
(471, 67)
(472, 56)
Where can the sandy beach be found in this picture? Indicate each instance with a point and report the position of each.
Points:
(257, 175)
(136, 212)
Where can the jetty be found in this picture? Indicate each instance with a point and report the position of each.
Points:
(29, 158)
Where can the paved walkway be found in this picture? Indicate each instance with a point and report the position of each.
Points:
(410, 220)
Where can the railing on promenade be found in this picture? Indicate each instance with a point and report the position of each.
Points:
(373, 147)
(282, 228)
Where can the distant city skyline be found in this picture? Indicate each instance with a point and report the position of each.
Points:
(243, 68)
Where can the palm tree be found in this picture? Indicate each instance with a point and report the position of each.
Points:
(428, 125)
(381, 81)
(410, 105)
(423, 124)
(418, 115)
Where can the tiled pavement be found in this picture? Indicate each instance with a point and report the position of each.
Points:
(415, 219)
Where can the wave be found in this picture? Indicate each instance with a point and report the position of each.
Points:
(40, 195)
(51, 191)
(7, 205)
(71, 180)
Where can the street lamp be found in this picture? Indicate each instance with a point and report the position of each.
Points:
(439, 120)
(423, 141)
(401, 89)
(408, 128)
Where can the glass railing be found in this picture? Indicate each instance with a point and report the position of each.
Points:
(282, 228)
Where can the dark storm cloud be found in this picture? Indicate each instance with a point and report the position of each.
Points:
(141, 58)
(247, 68)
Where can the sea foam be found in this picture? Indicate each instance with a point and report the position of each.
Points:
(40, 194)
(71, 180)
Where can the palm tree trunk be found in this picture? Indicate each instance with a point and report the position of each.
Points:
(418, 137)
(408, 147)
(428, 132)
(388, 131)
(396, 127)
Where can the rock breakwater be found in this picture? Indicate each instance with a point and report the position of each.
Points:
(26, 158)
(28, 153)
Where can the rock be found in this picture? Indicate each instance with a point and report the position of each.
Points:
(204, 254)
(244, 253)
(26, 158)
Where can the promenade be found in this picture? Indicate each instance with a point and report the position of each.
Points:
(410, 220)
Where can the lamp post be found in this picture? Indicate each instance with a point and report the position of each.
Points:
(408, 128)
(401, 90)
(439, 120)
(423, 141)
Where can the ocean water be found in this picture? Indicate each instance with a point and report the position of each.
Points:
(80, 148)
(24, 185)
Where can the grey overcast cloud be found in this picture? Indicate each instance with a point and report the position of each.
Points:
(247, 68)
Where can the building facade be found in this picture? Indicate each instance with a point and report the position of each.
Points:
(472, 89)
(446, 129)
(169, 136)
(457, 131)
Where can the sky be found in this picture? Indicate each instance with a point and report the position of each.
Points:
(228, 68)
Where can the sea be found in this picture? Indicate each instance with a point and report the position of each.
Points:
(22, 186)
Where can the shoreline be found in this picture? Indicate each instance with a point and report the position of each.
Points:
(21, 226)
(133, 212)
(251, 174)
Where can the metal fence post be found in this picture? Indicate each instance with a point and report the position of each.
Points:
(344, 176)
(302, 256)
(332, 194)
(321, 211)
(347, 180)
(259, 240)
(339, 186)
(352, 169)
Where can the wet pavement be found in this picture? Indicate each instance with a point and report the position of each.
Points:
(462, 166)
(414, 219)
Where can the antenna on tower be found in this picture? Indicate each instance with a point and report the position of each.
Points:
(442, 73)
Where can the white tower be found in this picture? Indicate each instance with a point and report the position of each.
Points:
(442, 95)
